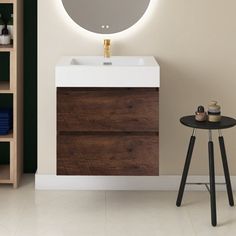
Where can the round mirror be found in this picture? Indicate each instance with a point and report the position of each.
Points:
(106, 16)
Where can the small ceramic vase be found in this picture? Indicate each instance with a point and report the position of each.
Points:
(214, 112)
(5, 39)
(200, 114)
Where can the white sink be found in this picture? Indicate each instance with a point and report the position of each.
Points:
(95, 71)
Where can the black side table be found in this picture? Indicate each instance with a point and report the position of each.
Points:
(225, 123)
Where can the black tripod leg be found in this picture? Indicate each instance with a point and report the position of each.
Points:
(185, 171)
(212, 180)
(226, 170)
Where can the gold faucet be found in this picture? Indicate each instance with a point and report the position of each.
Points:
(107, 48)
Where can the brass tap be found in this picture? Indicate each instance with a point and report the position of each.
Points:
(107, 48)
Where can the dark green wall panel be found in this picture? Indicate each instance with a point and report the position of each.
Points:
(30, 86)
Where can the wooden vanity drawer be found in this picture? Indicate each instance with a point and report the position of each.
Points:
(111, 109)
(107, 154)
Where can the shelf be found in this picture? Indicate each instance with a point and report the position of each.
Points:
(6, 48)
(7, 137)
(7, 1)
(5, 174)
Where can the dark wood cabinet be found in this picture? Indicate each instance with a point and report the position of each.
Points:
(107, 131)
(107, 109)
(106, 154)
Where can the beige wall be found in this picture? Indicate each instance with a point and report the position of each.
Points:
(195, 43)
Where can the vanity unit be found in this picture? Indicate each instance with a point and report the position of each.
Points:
(107, 116)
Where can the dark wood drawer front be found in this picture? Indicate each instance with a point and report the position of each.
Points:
(101, 154)
(114, 109)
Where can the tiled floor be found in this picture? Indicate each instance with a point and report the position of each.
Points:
(26, 212)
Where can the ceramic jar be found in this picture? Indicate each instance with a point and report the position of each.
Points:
(214, 112)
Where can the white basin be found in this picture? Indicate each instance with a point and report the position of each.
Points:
(95, 71)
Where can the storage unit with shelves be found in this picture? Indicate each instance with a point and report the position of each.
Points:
(11, 95)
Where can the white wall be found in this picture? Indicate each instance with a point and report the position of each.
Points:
(194, 42)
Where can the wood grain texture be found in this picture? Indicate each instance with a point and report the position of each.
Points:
(16, 88)
(111, 109)
(103, 154)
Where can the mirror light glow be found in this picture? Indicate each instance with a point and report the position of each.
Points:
(126, 33)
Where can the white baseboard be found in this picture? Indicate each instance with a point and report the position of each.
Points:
(161, 183)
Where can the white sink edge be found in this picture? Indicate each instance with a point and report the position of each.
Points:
(98, 75)
(66, 61)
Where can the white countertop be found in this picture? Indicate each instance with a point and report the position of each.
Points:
(125, 71)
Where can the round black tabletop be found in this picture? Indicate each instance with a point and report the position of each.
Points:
(226, 122)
